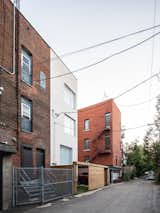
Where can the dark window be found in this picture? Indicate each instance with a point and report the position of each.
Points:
(27, 158)
(40, 158)
(86, 159)
(107, 142)
(86, 144)
(26, 67)
(86, 124)
(26, 115)
(108, 119)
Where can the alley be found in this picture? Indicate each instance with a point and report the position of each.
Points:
(134, 197)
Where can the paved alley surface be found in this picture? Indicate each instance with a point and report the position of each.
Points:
(133, 197)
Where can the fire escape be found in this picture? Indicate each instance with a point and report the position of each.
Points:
(107, 148)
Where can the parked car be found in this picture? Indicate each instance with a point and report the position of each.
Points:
(149, 175)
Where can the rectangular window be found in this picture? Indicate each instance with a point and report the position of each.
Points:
(65, 155)
(108, 119)
(107, 142)
(26, 115)
(69, 126)
(86, 159)
(86, 124)
(69, 97)
(42, 80)
(26, 67)
(86, 144)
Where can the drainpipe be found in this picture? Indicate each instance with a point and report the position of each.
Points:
(14, 37)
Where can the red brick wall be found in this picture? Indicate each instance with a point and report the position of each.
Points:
(96, 115)
(27, 37)
(8, 103)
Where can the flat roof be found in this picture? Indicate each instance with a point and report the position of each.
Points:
(97, 104)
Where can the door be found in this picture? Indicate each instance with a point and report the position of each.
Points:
(40, 158)
(65, 155)
(26, 158)
(1, 172)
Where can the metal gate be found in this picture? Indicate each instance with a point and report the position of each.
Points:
(40, 185)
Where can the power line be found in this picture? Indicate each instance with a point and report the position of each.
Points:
(97, 45)
(153, 46)
(137, 85)
(109, 41)
(106, 58)
(138, 104)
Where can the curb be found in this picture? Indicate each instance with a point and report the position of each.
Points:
(97, 190)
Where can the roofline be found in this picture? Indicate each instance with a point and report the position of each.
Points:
(63, 62)
(97, 104)
(43, 39)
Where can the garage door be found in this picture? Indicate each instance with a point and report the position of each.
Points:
(65, 155)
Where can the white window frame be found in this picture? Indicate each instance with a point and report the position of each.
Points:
(69, 125)
(42, 77)
(86, 124)
(25, 55)
(69, 96)
(24, 112)
(88, 144)
(108, 121)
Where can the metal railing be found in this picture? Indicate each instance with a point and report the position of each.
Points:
(40, 185)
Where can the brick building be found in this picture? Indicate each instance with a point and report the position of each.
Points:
(99, 137)
(24, 97)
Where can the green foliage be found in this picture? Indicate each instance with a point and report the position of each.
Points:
(135, 157)
(129, 175)
(146, 157)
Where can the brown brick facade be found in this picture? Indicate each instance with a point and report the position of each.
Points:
(97, 152)
(15, 88)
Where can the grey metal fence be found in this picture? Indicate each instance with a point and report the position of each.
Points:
(40, 185)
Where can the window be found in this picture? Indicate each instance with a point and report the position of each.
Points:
(26, 115)
(69, 97)
(108, 119)
(86, 144)
(65, 155)
(42, 80)
(107, 142)
(86, 125)
(86, 159)
(69, 125)
(26, 67)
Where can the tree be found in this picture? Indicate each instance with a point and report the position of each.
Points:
(135, 157)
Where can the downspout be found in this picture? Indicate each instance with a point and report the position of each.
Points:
(14, 37)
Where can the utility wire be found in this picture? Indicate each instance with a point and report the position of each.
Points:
(97, 45)
(109, 41)
(106, 58)
(138, 104)
(121, 94)
(137, 85)
(152, 48)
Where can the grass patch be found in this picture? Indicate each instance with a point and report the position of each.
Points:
(82, 189)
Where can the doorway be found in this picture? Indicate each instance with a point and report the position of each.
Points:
(40, 158)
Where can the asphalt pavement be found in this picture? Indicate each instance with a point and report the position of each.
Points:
(133, 197)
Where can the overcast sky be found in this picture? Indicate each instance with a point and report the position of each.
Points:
(69, 25)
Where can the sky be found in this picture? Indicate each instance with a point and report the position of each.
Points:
(69, 25)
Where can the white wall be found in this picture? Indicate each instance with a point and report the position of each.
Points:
(58, 137)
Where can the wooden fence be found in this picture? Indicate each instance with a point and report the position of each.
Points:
(96, 175)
